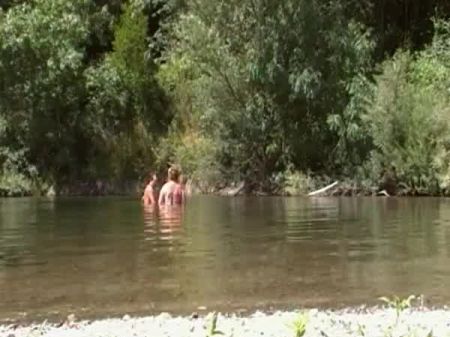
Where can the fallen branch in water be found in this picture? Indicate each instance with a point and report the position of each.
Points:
(322, 190)
(232, 191)
(237, 190)
(383, 192)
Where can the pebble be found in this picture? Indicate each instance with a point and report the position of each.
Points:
(371, 322)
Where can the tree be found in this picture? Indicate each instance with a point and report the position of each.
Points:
(126, 109)
(41, 63)
(267, 75)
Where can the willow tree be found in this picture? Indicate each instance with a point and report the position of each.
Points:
(264, 76)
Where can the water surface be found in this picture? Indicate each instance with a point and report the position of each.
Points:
(99, 257)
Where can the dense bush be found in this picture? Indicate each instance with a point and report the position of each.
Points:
(406, 116)
(69, 117)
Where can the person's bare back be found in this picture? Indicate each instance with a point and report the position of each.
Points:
(166, 196)
(171, 193)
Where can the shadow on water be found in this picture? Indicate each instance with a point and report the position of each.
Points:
(98, 257)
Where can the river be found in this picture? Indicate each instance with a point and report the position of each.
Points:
(101, 257)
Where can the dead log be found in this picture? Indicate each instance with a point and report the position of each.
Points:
(322, 190)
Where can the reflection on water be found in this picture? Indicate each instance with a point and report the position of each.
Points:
(106, 256)
(163, 222)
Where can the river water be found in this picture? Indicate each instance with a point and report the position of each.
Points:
(101, 257)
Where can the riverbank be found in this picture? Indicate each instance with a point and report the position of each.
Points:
(79, 188)
(295, 185)
(350, 322)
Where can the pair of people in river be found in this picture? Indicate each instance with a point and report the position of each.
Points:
(172, 192)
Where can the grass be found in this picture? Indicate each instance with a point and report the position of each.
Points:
(397, 303)
(299, 325)
(212, 330)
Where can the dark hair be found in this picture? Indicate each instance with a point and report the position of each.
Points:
(150, 175)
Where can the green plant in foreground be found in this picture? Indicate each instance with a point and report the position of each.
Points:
(397, 303)
(212, 330)
(361, 330)
(299, 325)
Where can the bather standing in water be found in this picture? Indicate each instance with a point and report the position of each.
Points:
(180, 190)
(171, 192)
(150, 193)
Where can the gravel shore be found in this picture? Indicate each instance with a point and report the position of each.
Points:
(364, 323)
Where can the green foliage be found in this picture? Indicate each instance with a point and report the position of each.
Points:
(397, 303)
(41, 59)
(14, 183)
(300, 324)
(126, 108)
(361, 330)
(248, 90)
(67, 118)
(260, 87)
(407, 117)
(212, 329)
(195, 154)
(129, 43)
(296, 183)
(353, 144)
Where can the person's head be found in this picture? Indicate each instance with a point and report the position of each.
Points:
(152, 176)
(173, 174)
(183, 179)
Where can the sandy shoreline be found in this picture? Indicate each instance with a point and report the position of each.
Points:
(371, 322)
